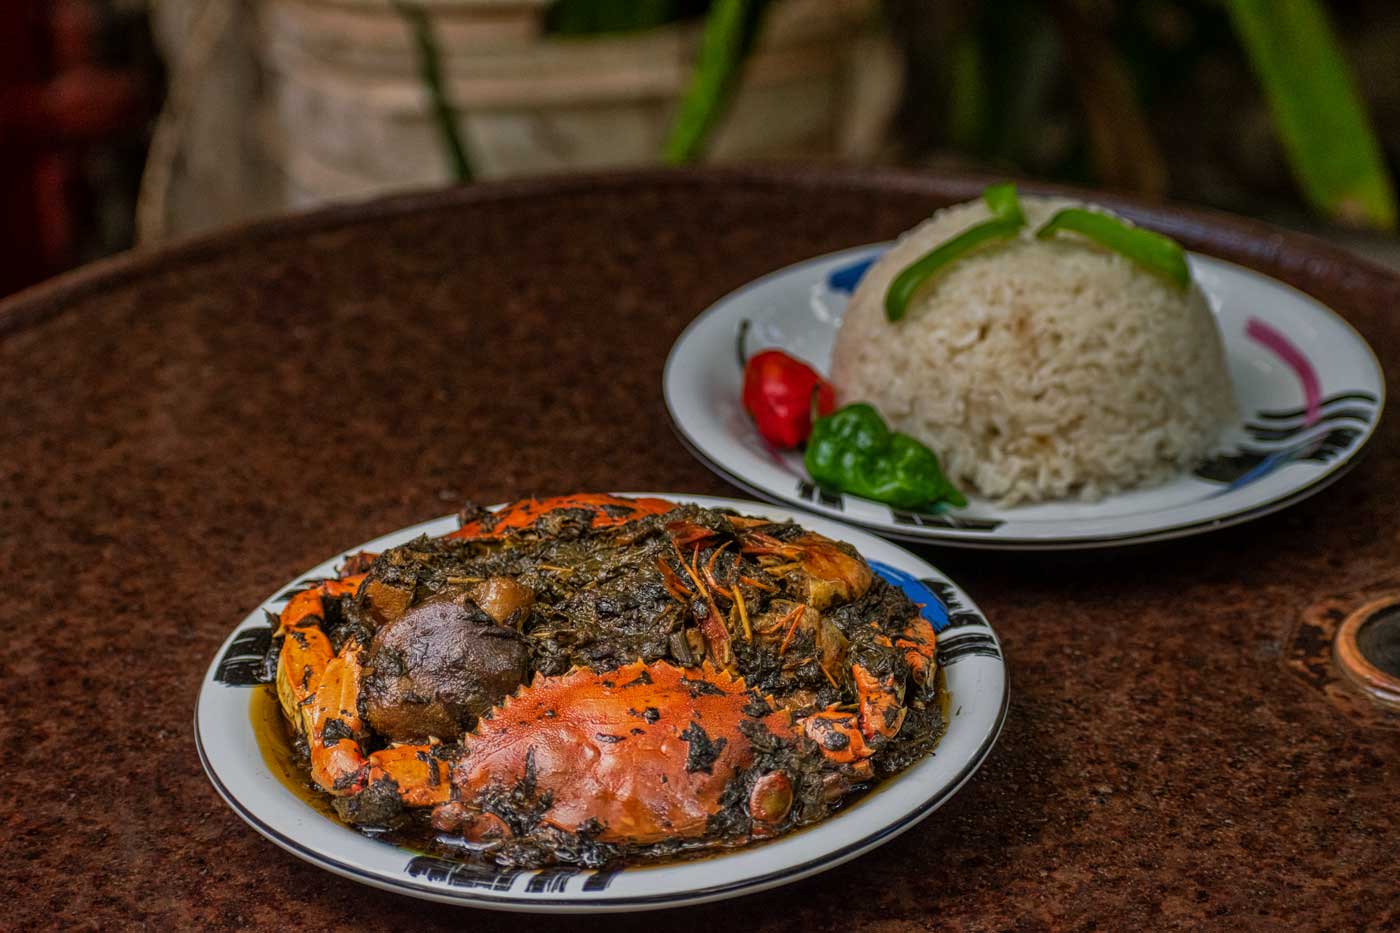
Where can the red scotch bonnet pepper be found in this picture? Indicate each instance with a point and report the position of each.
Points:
(780, 392)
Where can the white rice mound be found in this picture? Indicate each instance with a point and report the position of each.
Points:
(1038, 370)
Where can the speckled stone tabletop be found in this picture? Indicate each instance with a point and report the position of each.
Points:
(184, 431)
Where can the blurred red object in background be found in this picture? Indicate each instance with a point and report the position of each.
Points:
(56, 99)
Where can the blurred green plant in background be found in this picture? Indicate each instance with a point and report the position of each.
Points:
(430, 68)
(983, 72)
(997, 61)
(730, 28)
(1317, 109)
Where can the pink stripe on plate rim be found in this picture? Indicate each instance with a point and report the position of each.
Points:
(1267, 335)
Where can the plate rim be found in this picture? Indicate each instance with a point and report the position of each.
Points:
(951, 537)
(604, 903)
(1261, 510)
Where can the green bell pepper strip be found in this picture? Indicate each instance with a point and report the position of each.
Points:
(1006, 221)
(854, 451)
(1004, 204)
(1152, 251)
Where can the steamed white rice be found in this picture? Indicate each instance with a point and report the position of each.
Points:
(1038, 370)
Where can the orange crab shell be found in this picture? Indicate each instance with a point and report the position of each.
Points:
(607, 511)
(645, 751)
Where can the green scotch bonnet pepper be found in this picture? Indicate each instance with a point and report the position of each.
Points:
(853, 450)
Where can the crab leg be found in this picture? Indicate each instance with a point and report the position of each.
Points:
(881, 712)
(305, 649)
(422, 779)
(606, 511)
(845, 737)
(837, 734)
(334, 728)
(919, 644)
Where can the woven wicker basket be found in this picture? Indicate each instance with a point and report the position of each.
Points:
(315, 100)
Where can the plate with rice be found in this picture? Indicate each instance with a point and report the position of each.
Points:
(1075, 393)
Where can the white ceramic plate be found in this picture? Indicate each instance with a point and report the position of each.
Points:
(968, 650)
(1267, 461)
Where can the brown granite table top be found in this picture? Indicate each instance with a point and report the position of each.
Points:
(184, 431)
